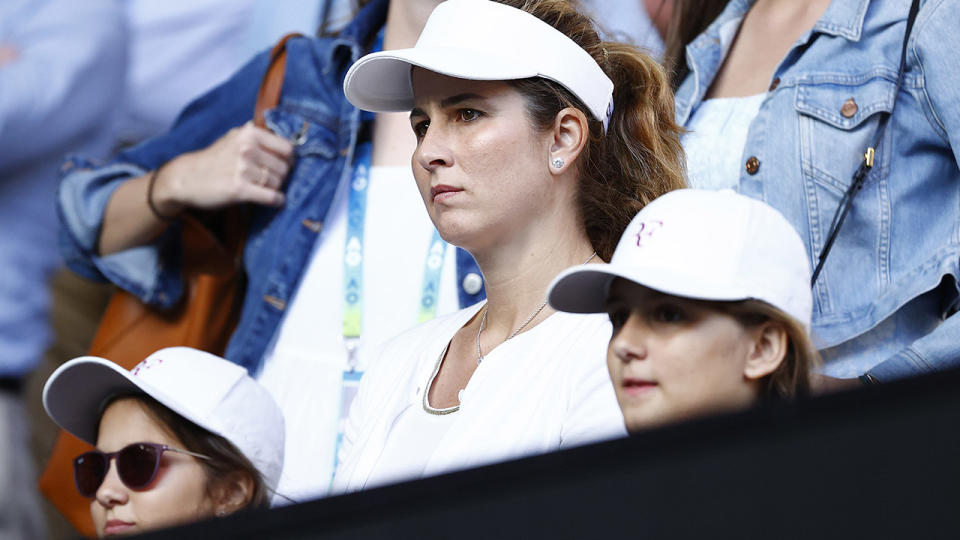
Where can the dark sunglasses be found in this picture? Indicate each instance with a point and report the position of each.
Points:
(137, 466)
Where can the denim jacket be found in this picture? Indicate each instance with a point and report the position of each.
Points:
(279, 241)
(895, 262)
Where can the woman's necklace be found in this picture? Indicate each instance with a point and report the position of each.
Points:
(483, 320)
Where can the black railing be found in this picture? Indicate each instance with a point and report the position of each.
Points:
(881, 462)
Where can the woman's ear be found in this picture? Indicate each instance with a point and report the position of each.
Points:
(234, 493)
(570, 134)
(769, 348)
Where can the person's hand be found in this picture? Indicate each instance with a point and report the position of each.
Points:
(823, 384)
(246, 165)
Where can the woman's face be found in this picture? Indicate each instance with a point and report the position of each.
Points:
(481, 168)
(672, 358)
(178, 494)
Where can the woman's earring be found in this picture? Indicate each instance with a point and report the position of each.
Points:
(221, 513)
(557, 163)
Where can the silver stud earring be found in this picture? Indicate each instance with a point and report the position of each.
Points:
(557, 163)
(221, 513)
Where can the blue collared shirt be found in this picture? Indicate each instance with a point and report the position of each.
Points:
(886, 299)
(280, 240)
(56, 96)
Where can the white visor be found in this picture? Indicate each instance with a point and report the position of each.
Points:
(484, 41)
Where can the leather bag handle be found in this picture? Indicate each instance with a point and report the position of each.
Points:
(269, 95)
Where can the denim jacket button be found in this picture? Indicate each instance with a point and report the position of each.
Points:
(315, 226)
(753, 165)
(849, 108)
(472, 283)
(774, 84)
(277, 303)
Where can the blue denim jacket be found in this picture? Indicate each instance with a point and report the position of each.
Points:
(279, 241)
(886, 299)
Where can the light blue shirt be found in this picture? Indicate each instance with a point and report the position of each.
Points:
(55, 97)
(180, 49)
(627, 21)
(886, 300)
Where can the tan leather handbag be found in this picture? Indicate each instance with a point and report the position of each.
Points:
(205, 318)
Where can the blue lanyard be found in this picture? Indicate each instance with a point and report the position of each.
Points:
(353, 249)
(353, 271)
(432, 269)
(353, 259)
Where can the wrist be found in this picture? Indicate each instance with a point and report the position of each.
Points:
(161, 194)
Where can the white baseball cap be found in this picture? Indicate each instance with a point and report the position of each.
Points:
(211, 392)
(704, 245)
(480, 40)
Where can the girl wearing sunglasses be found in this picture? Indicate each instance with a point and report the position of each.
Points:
(709, 296)
(183, 436)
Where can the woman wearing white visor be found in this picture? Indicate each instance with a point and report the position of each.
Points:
(534, 150)
(709, 296)
(183, 436)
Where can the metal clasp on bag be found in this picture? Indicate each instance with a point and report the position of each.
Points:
(868, 157)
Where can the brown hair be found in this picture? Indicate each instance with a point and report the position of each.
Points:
(791, 379)
(225, 458)
(687, 21)
(640, 157)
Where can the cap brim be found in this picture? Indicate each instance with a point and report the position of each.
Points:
(380, 82)
(584, 289)
(75, 393)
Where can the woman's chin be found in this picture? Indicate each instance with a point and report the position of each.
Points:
(456, 231)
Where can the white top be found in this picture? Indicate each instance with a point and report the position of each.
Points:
(403, 456)
(545, 389)
(304, 366)
(627, 21)
(714, 145)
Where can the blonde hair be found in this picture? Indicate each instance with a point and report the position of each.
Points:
(792, 377)
(639, 158)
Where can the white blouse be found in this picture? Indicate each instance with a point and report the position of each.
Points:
(545, 389)
(303, 368)
(403, 455)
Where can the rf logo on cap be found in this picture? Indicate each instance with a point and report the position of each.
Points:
(647, 230)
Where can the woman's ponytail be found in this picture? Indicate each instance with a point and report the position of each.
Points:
(639, 158)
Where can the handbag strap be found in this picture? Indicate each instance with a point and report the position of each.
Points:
(268, 96)
(860, 176)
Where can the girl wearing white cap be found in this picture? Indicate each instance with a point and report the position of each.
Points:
(183, 436)
(536, 144)
(709, 297)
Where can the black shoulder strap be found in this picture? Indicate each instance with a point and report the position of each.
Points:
(860, 176)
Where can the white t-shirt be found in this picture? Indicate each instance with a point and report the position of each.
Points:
(304, 365)
(545, 389)
(403, 457)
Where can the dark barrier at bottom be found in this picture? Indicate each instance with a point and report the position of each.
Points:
(875, 463)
